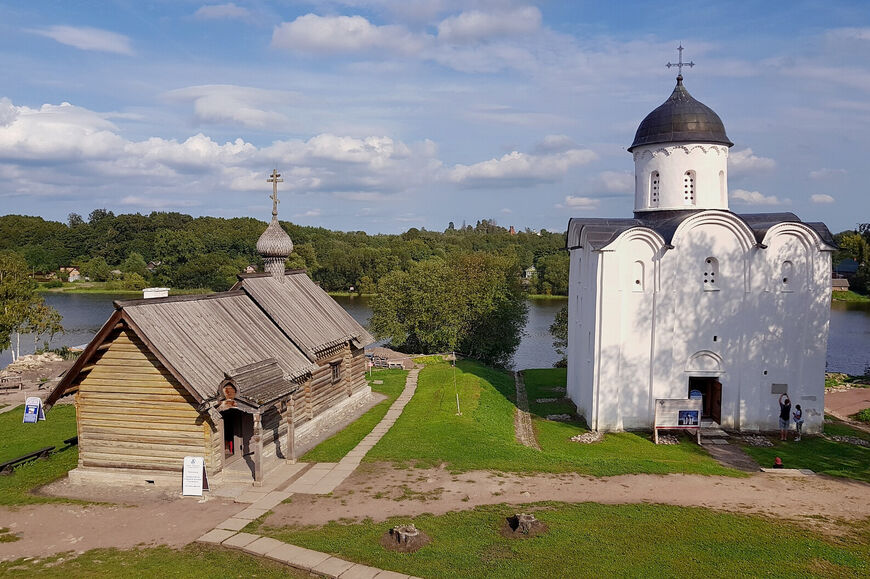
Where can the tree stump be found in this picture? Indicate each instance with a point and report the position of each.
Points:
(522, 523)
(403, 534)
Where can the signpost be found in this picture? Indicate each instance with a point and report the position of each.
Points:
(193, 478)
(33, 410)
(678, 414)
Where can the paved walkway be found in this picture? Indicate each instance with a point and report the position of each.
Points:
(525, 432)
(321, 478)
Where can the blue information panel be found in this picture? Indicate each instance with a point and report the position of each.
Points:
(33, 410)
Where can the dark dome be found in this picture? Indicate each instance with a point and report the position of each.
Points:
(681, 119)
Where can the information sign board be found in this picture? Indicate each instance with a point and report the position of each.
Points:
(193, 477)
(33, 410)
(678, 413)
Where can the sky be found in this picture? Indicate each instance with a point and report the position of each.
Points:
(383, 115)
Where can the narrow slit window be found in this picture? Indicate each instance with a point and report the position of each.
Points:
(637, 281)
(786, 276)
(711, 274)
(654, 181)
(689, 188)
(336, 372)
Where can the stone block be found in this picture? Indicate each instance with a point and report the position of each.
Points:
(240, 540)
(233, 524)
(216, 536)
(297, 556)
(262, 546)
(360, 572)
(333, 566)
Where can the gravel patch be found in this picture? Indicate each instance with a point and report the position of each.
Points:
(588, 437)
(756, 440)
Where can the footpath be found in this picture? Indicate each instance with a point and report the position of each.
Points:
(320, 479)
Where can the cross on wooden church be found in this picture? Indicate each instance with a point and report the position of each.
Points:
(274, 179)
(680, 64)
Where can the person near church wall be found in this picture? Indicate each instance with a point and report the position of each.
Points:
(798, 416)
(784, 416)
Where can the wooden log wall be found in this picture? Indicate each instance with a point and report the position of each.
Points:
(133, 414)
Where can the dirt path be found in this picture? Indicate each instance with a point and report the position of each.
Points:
(847, 402)
(147, 519)
(525, 432)
(380, 491)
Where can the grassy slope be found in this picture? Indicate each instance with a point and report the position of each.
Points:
(22, 438)
(430, 433)
(820, 455)
(849, 296)
(335, 447)
(591, 540)
(192, 561)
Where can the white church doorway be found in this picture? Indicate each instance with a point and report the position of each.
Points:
(710, 390)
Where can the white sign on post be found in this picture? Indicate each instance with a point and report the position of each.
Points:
(193, 478)
(33, 410)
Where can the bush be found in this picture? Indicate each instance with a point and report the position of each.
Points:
(863, 416)
(52, 284)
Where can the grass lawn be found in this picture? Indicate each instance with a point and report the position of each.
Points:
(819, 454)
(429, 433)
(22, 438)
(594, 540)
(849, 296)
(334, 448)
(192, 561)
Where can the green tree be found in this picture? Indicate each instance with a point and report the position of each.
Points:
(472, 303)
(559, 331)
(553, 271)
(96, 269)
(22, 310)
(135, 263)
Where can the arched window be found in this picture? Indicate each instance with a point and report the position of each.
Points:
(637, 279)
(711, 274)
(654, 189)
(689, 188)
(786, 275)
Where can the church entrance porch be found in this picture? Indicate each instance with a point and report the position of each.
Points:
(710, 391)
(238, 429)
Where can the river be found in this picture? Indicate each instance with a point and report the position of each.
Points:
(848, 340)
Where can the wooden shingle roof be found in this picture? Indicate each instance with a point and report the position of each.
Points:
(204, 339)
(307, 314)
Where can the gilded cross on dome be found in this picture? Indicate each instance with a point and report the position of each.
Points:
(274, 179)
(680, 64)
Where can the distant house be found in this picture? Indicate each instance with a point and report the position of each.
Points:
(530, 272)
(72, 273)
(152, 265)
(839, 285)
(116, 273)
(250, 269)
(244, 378)
(846, 268)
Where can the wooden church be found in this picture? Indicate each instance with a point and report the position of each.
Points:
(242, 377)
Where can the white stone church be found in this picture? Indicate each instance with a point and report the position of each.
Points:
(688, 296)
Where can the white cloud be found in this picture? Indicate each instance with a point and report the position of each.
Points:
(231, 104)
(825, 173)
(55, 132)
(157, 202)
(85, 38)
(742, 162)
(555, 143)
(520, 168)
(361, 196)
(574, 202)
(474, 25)
(756, 198)
(821, 198)
(616, 181)
(337, 34)
(849, 33)
(310, 213)
(228, 11)
(506, 210)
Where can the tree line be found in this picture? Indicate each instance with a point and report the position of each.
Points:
(177, 250)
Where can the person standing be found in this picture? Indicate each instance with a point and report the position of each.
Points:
(784, 416)
(798, 416)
